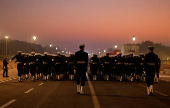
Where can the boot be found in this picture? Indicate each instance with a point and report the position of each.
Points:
(107, 78)
(19, 78)
(151, 90)
(36, 76)
(58, 77)
(51, 75)
(136, 77)
(95, 77)
(148, 91)
(82, 88)
(47, 77)
(32, 78)
(143, 79)
(132, 79)
(157, 80)
(121, 78)
(78, 89)
(71, 77)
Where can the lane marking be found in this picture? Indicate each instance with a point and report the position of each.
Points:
(94, 97)
(2, 81)
(155, 90)
(6, 80)
(40, 84)
(10, 79)
(14, 78)
(7, 104)
(29, 90)
(161, 93)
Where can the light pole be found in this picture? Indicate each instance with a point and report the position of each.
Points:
(34, 37)
(6, 44)
(50, 47)
(134, 43)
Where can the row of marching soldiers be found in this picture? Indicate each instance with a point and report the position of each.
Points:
(36, 65)
(120, 67)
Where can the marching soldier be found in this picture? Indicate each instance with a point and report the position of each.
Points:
(45, 61)
(58, 65)
(131, 65)
(94, 61)
(81, 62)
(151, 62)
(19, 60)
(71, 65)
(120, 65)
(5, 63)
(32, 60)
(141, 66)
(157, 70)
(26, 62)
(107, 66)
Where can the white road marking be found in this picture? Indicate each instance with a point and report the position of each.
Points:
(7, 104)
(2, 81)
(6, 80)
(94, 97)
(29, 90)
(40, 84)
(14, 78)
(155, 90)
(10, 79)
(161, 93)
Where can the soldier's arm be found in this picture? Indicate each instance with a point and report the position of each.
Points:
(14, 57)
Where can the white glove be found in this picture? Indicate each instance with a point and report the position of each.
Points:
(4, 67)
(24, 64)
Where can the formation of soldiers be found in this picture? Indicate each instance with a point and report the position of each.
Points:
(129, 67)
(36, 65)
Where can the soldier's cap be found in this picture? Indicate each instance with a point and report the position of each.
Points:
(131, 53)
(23, 53)
(111, 55)
(32, 52)
(82, 45)
(27, 54)
(71, 53)
(45, 53)
(19, 51)
(58, 53)
(94, 54)
(150, 47)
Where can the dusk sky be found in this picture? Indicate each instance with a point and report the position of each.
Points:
(98, 23)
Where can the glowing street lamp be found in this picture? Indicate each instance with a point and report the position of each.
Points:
(104, 50)
(62, 51)
(6, 37)
(50, 47)
(115, 46)
(56, 48)
(99, 52)
(34, 37)
(133, 39)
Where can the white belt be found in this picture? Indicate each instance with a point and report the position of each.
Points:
(45, 62)
(71, 62)
(152, 64)
(119, 63)
(141, 63)
(57, 63)
(81, 62)
(95, 63)
(19, 62)
(107, 62)
(32, 62)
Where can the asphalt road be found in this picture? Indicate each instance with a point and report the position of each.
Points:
(97, 94)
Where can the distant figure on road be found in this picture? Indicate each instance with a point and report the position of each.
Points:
(157, 71)
(151, 63)
(81, 62)
(5, 63)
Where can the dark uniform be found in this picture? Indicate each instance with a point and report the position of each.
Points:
(5, 63)
(45, 61)
(71, 61)
(131, 66)
(94, 65)
(107, 66)
(19, 60)
(32, 60)
(81, 62)
(58, 65)
(157, 70)
(151, 62)
(120, 66)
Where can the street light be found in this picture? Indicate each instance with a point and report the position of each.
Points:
(104, 50)
(34, 37)
(99, 52)
(115, 46)
(133, 39)
(56, 48)
(6, 44)
(50, 47)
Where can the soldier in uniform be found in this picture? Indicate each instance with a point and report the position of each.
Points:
(32, 60)
(157, 70)
(58, 65)
(151, 62)
(81, 62)
(107, 66)
(131, 65)
(26, 69)
(120, 65)
(5, 63)
(141, 66)
(71, 65)
(94, 61)
(45, 61)
(19, 60)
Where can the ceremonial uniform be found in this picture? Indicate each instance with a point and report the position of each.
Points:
(71, 61)
(120, 65)
(19, 60)
(58, 65)
(81, 62)
(107, 66)
(45, 61)
(5, 63)
(32, 60)
(157, 70)
(94, 64)
(151, 62)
